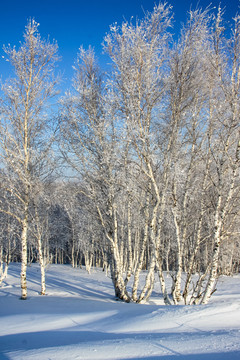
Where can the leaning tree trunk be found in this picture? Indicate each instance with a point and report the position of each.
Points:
(115, 263)
(162, 282)
(142, 252)
(219, 218)
(154, 246)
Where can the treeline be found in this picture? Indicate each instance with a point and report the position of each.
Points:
(153, 149)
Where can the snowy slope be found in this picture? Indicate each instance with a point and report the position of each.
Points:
(80, 319)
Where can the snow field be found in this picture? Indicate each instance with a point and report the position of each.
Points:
(80, 319)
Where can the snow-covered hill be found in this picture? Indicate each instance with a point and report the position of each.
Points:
(80, 319)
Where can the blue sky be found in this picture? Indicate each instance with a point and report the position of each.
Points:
(73, 23)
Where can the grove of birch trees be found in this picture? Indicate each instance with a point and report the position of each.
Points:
(136, 168)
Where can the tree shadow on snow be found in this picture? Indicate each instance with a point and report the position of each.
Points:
(85, 339)
(233, 355)
(77, 287)
(84, 291)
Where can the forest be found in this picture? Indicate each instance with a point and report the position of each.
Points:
(136, 167)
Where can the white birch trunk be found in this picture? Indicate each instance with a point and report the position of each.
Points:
(176, 293)
(88, 261)
(136, 250)
(42, 266)
(73, 255)
(4, 272)
(210, 287)
(120, 287)
(197, 291)
(1, 260)
(130, 255)
(163, 284)
(193, 256)
(116, 263)
(150, 278)
(3, 266)
(24, 258)
(154, 238)
(219, 218)
(149, 283)
(142, 253)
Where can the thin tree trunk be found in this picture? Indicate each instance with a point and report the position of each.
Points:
(163, 284)
(42, 266)
(116, 264)
(142, 251)
(4, 268)
(130, 256)
(24, 258)
(219, 218)
(176, 293)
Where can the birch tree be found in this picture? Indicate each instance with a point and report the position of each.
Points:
(9, 237)
(224, 136)
(156, 148)
(187, 97)
(25, 128)
(39, 228)
(139, 54)
(91, 145)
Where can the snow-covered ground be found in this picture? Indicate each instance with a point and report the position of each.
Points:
(80, 319)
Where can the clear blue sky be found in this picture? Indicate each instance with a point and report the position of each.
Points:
(73, 23)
